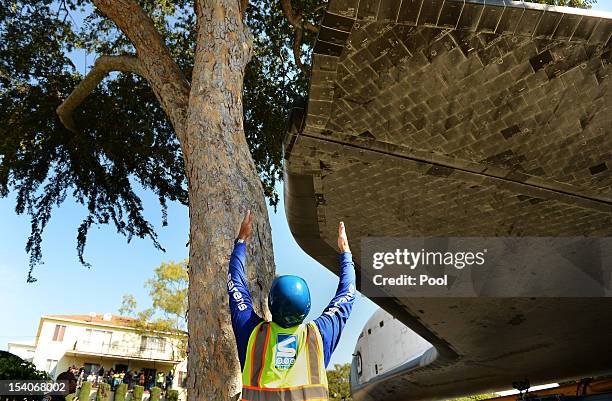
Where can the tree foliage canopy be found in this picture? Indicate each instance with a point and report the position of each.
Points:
(125, 141)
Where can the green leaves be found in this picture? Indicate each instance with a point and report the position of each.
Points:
(168, 290)
(13, 367)
(272, 82)
(339, 382)
(126, 141)
(128, 305)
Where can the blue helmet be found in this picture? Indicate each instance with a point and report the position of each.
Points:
(289, 300)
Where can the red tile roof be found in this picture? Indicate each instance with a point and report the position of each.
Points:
(115, 320)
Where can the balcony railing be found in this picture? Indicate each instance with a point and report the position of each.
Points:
(127, 350)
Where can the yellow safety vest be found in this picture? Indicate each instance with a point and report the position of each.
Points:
(284, 364)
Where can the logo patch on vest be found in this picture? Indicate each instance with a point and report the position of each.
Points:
(285, 351)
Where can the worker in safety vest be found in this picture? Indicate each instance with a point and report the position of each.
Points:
(285, 359)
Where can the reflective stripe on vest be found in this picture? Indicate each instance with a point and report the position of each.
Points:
(306, 393)
(267, 377)
(261, 344)
(313, 355)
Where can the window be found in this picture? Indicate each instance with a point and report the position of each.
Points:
(369, 331)
(58, 334)
(357, 357)
(98, 338)
(152, 343)
(381, 323)
(92, 368)
(121, 367)
(182, 379)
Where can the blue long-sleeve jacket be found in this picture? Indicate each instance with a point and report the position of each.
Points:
(330, 323)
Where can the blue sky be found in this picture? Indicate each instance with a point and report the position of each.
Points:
(64, 286)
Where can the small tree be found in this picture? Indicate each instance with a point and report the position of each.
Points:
(13, 367)
(155, 394)
(85, 391)
(168, 290)
(137, 393)
(120, 392)
(172, 395)
(103, 393)
(339, 382)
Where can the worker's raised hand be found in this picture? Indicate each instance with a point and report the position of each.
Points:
(246, 227)
(342, 240)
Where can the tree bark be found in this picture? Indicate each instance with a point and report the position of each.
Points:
(102, 67)
(163, 74)
(223, 184)
(222, 178)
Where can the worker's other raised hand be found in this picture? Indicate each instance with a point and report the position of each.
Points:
(342, 240)
(246, 227)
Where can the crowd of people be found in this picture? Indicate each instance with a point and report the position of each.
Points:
(130, 377)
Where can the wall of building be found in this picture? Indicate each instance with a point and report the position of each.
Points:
(121, 346)
(23, 350)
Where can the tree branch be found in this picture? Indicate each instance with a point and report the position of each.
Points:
(244, 4)
(297, 49)
(297, 21)
(163, 74)
(101, 68)
(310, 27)
(294, 19)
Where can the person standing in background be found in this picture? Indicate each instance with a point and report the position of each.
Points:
(169, 380)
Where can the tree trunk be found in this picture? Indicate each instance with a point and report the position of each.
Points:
(223, 184)
(222, 178)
